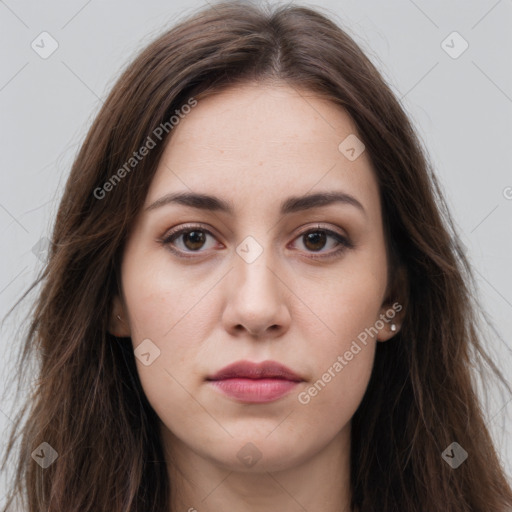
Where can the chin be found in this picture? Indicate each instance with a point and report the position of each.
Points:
(261, 453)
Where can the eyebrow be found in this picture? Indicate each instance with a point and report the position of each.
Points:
(290, 205)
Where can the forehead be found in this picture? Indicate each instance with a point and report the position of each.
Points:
(260, 143)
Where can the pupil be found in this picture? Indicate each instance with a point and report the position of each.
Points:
(315, 238)
(196, 238)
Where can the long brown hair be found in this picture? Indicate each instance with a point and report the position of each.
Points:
(88, 403)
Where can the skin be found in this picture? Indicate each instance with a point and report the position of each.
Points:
(255, 145)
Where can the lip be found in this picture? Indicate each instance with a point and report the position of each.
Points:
(250, 382)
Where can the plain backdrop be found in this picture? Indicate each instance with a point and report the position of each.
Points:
(457, 89)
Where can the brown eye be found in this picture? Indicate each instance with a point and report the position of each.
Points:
(193, 240)
(315, 240)
(189, 240)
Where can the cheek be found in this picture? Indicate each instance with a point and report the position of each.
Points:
(175, 311)
(348, 300)
(349, 305)
(161, 298)
(339, 384)
(343, 360)
(178, 324)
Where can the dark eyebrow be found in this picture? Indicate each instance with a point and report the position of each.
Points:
(299, 203)
(290, 205)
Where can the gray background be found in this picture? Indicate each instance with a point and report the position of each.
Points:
(461, 107)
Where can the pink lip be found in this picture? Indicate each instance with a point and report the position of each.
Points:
(255, 382)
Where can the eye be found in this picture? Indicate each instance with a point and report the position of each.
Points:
(314, 240)
(193, 238)
(187, 239)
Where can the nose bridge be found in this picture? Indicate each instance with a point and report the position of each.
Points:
(256, 301)
(252, 268)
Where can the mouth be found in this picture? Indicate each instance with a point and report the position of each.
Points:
(250, 382)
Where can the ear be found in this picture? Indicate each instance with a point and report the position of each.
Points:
(391, 320)
(393, 309)
(118, 322)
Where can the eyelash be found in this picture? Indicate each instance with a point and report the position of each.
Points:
(344, 243)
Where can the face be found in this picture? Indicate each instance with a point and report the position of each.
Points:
(258, 274)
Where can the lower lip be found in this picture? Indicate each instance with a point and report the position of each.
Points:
(255, 390)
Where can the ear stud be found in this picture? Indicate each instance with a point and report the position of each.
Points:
(393, 327)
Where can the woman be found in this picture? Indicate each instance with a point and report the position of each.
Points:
(252, 299)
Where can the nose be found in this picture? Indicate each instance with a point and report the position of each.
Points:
(257, 299)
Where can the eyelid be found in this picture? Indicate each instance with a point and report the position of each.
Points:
(344, 242)
(167, 237)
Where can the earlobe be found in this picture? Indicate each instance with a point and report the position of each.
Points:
(118, 325)
(388, 331)
(391, 321)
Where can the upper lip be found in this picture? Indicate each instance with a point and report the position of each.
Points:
(250, 370)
